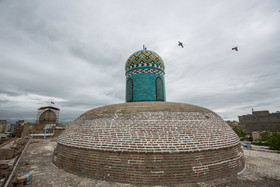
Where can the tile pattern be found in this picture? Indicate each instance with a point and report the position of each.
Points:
(144, 71)
(144, 67)
(144, 87)
(144, 58)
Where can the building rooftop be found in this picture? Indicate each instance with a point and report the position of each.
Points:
(260, 170)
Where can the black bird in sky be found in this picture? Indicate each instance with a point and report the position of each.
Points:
(235, 48)
(180, 44)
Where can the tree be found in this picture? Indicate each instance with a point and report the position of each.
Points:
(241, 134)
(272, 138)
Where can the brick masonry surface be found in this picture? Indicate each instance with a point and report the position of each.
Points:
(150, 143)
(150, 168)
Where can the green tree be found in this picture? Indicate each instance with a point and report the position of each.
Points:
(265, 136)
(241, 134)
(272, 138)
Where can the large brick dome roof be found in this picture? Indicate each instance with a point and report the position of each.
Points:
(150, 127)
(150, 143)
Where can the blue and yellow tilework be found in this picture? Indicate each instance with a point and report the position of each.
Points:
(145, 77)
(144, 59)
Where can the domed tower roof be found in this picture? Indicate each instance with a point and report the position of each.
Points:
(48, 116)
(144, 59)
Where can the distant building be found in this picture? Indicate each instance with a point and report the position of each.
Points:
(233, 124)
(5, 129)
(19, 127)
(4, 126)
(259, 121)
(255, 135)
(48, 115)
(46, 124)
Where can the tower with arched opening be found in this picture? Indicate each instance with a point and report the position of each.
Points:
(144, 77)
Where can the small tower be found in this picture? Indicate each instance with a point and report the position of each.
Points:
(48, 115)
(144, 77)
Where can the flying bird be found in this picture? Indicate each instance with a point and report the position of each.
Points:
(180, 44)
(235, 48)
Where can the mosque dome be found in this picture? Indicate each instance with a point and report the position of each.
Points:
(144, 59)
(150, 143)
(48, 116)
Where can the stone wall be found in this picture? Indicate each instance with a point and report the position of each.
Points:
(150, 168)
(259, 121)
(26, 130)
(38, 128)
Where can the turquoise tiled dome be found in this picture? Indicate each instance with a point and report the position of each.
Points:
(144, 72)
(144, 59)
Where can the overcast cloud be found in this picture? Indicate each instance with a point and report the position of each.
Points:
(74, 52)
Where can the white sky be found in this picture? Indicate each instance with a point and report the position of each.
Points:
(74, 53)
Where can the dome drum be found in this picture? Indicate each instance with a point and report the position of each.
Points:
(144, 71)
(145, 87)
(150, 168)
(145, 66)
